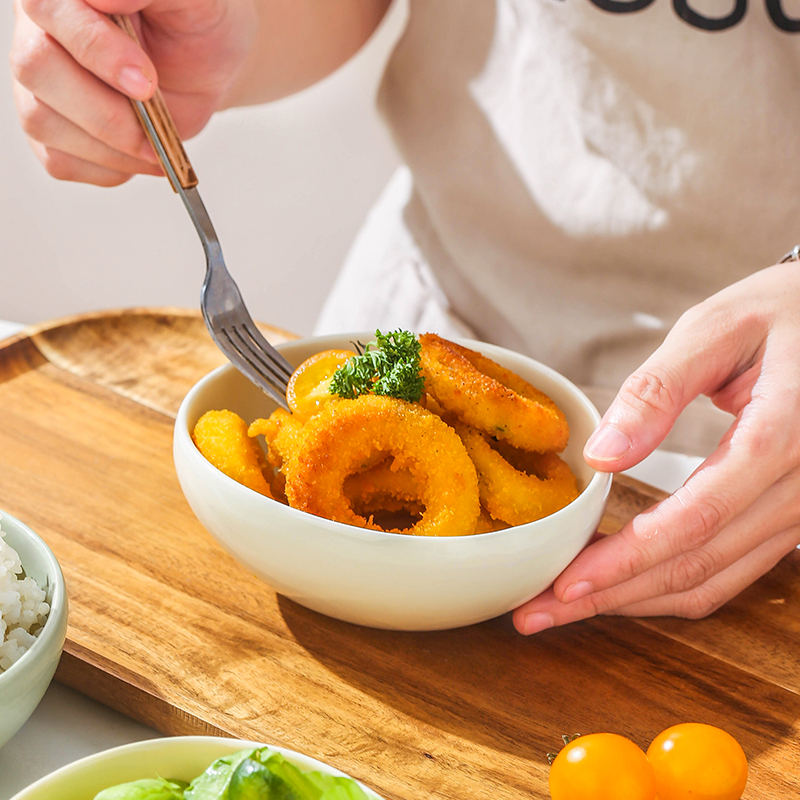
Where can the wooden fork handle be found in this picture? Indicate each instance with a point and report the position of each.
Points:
(162, 122)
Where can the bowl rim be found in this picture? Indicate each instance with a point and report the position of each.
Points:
(178, 742)
(50, 633)
(600, 482)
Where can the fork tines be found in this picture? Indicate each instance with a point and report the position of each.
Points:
(246, 347)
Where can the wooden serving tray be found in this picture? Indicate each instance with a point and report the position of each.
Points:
(167, 628)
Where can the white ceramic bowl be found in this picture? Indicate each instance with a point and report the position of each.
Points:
(381, 579)
(24, 683)
(178, 757)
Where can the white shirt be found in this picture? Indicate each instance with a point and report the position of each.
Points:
(578, 174)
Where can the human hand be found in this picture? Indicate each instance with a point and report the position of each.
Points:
(74, 70)
(739, 513)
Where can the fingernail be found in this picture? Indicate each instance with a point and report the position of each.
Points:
(607, 444)
(534, 623)
(577, 590)
(134, 83)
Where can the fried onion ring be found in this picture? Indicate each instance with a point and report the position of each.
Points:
(282, 433)
(487, 524)
(383, 487)
(388, 497)
(521, 489)
(221, 436)
(487, 396)
(345, 434)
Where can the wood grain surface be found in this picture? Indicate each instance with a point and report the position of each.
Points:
(167, 628)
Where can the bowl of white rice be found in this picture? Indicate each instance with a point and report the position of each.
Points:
(33, 622)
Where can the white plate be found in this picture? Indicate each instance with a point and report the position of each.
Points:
(179, 757)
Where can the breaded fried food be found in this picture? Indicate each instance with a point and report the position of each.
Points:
(533, 486)
(388, 497)
(282, 434)
(346, 434)
(383, 487)
(221, 436)
(487, 396)
(486, 523)
(420, 436)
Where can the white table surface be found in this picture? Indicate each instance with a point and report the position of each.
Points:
(68, 725)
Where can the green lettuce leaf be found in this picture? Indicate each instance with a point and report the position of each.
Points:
(213, 783)
(259, 774)
(301, 784)
(145, 789)
(333, 787)
(253, 780)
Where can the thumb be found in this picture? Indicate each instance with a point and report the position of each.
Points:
(642, 414)
(702, 352)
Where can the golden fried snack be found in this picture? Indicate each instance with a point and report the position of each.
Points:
(490, 397)
(281, 432)
(383, 486)
(346, 434)
(388, 498)
(221, 436)
(387, 493)
(486, 524)
(533, 486)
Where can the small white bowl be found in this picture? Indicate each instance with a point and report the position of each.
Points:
(24, 683)
(378, 579)
(177, 757)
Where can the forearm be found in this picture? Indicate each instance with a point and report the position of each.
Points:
(299, 42)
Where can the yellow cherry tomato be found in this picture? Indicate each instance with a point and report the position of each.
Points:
(602, 766)
(309, 386)
(693, 761)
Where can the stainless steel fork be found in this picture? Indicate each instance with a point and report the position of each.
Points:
(224, 311)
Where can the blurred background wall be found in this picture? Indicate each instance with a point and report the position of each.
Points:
(287, 186)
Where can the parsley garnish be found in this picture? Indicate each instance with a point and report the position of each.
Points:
(393, 369)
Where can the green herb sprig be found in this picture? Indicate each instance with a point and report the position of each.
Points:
(391, 369)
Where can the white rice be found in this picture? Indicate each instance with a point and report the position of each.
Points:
(23, 609)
